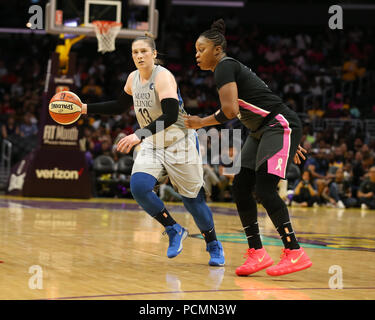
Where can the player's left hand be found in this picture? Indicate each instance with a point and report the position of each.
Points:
(192, 122)
(127, 143)
(300, 153)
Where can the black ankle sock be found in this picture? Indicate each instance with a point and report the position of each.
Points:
(164, 218)
(209, 235)
(287, 236)
(253, 236)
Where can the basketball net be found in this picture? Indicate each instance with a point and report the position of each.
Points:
(106, 33)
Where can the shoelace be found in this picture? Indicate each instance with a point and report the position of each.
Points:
(165, 231)
(215, 250)
(249, 252)
(283, 256)
(170, 237)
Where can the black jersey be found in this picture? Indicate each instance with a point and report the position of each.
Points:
(255, 99)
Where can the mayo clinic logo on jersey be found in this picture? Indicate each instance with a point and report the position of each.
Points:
(143, 100)
(57, 174)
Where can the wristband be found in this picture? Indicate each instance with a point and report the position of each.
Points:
(221, 117)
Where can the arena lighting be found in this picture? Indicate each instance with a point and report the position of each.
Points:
(26, 30)
(52, 28)
(234, 4)
(357, 6)
(139, 2)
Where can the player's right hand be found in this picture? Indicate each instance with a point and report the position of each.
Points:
(127, 143)
(193, 122)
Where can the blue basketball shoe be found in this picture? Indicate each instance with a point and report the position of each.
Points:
(176, 234)
(216, 252)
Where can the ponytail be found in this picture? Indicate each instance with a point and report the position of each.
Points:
(216, 34)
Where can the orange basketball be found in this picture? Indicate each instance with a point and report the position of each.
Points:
(65, 107)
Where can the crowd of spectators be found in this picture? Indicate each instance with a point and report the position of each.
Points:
(21, 86)
(293, 64)
(339, 169)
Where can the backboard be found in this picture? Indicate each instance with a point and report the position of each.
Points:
(75, 16)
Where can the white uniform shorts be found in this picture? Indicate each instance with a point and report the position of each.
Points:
(181, 161)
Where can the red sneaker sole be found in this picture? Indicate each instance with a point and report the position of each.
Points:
(247, 273)
(300, 267)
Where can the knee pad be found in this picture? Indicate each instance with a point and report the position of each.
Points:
(266, 186)
(244, 182)
(264, 194)
(267, 195)
(141, 183)
(141, 186)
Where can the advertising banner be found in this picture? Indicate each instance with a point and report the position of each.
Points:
(57, 167)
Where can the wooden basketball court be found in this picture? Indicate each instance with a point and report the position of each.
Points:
(111, 249)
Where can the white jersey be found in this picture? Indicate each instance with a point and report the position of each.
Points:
(147, 108)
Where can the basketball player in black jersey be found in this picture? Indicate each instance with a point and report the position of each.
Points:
(274, 140)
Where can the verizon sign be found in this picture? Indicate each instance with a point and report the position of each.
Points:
(56, 168)
(51, 172)
(58, 174)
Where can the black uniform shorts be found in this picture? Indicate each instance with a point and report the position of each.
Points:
(275, 142)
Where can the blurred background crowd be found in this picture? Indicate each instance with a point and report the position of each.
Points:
(326, 77)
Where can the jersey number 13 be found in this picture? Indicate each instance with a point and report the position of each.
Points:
(145, 115)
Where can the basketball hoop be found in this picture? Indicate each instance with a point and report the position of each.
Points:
(106, 33)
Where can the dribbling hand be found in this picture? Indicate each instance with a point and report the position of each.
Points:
(300, 153)
(127, 143)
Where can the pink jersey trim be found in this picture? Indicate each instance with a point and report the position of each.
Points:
(252, 108)
(277, 164)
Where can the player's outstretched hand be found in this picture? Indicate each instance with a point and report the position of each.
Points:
(192, 122)
(300, 153)
(127, 143)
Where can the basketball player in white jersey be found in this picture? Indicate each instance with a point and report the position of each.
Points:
(166, 147)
